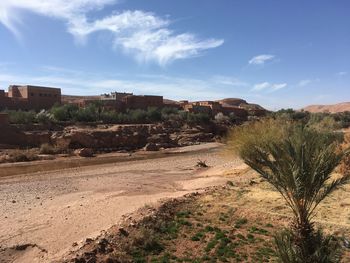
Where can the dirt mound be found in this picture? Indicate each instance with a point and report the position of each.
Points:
(340, 107)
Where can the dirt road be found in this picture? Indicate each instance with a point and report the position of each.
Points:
(53, 210)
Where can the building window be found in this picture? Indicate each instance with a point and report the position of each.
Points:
(40, 94)
(32, 94)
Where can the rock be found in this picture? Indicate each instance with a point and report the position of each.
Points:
(85, 152)
(188, 138)
(252, 182)
(79, 260)
(151, 147)
(89, 240)
(102, 245)
(159, 138)
(123, 232)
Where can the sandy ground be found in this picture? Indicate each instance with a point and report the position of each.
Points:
(53, 210)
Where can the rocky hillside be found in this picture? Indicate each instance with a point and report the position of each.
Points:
(235, 102)
(340, 107)
(114, 137)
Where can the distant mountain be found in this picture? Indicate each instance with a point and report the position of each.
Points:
(340, 107)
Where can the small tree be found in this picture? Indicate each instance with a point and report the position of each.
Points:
(298, 162)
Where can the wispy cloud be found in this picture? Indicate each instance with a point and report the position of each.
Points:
(261, 59)
(304, 82)
(163, 46)
(144, 35)
(270, 87)
(229, 81)
(341, 73)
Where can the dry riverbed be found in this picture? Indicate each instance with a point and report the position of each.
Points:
(44, 214)
(231, 223)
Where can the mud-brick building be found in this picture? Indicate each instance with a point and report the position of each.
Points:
(29, 97)
(197, 108)
(4, 119)
(114, 100)
(117, 96)
(142, 101)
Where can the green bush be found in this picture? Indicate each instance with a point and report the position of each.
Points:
(198, 118)
(137, 116)
(46, 149)
(88, 114)
(21, 117)
(154, 114)
(44, 117)
(169, 110)
(65, 112)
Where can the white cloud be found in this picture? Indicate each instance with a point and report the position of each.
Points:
(261, 59)
(144, 35)
(270, 87)
(163, 45)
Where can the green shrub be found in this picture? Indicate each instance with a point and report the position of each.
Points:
(169, 111)
(46, 148)
(154, 114)
(23, 156)
(88, 114)
(44, 117)
(198, 118)
(65, 112)
(21, 117)
(137, 116)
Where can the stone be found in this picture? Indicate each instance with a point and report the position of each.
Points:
(85, 152)
(151, 147)
(123, 232)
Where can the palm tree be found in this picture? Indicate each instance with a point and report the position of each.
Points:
(299, 165)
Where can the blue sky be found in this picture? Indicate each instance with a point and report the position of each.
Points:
(275, 53)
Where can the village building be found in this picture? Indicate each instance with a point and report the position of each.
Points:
(36, 98)
(29, 97)
(142, 102)
(213, 108)
(118, 96)
(121, 101)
